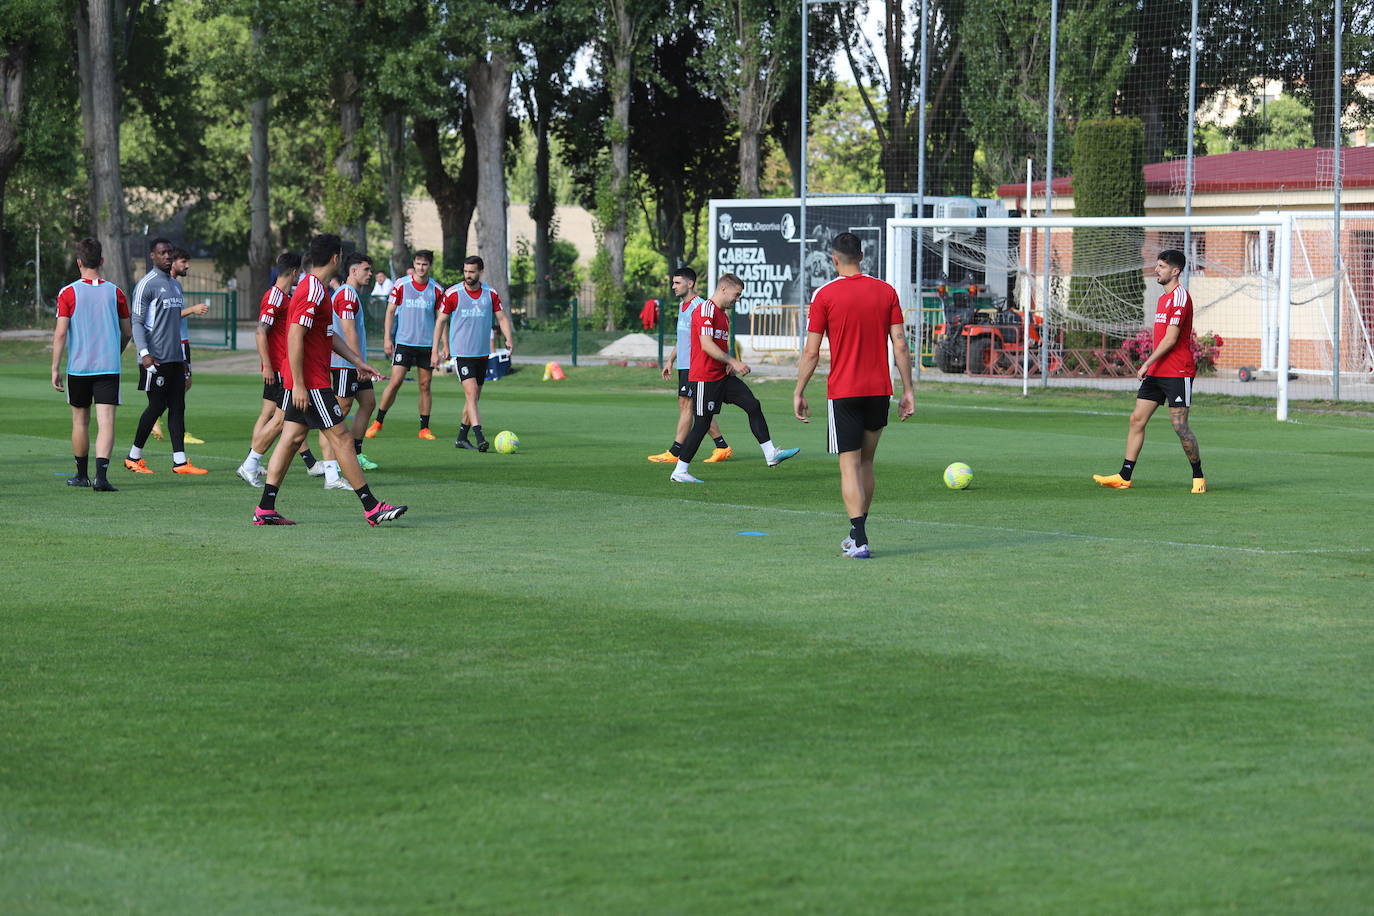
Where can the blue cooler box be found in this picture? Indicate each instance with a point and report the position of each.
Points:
(498, 365)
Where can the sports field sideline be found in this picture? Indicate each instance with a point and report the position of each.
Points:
(562, 684)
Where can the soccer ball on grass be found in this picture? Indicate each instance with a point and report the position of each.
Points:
(507, 442)
(957, 476)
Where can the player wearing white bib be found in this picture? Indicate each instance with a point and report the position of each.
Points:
(93, 324)
(684, 281)
(408, 339)
(464, 331)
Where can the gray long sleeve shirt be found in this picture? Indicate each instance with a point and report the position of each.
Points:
(157, 304)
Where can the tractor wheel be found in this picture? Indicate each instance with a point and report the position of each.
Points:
(983, 357)
(949, 356)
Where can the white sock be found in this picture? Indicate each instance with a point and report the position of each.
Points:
(178, 457)
(331, 471)
(254, 460)
(135, 452)
(682, 467)
(770, 450)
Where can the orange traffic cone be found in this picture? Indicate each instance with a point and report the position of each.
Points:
(556, 372)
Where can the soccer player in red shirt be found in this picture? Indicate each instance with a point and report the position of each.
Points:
(859, 314)
(1166, 376)
(271, 341)
(309, 401)
(718, 378)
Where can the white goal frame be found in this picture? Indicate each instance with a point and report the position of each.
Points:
(899, 261)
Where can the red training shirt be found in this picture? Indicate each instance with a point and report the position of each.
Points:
(311, 310)
(272, 312)
(1175, 309)
(856, 313)
(711, 319)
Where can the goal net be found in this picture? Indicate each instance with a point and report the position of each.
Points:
(1080, 297)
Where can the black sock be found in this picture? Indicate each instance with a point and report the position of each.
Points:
(720, 442)
(675, 450)
(1197, 468)
(463, 430)
(83, 465)
(357, 446)
(381, 416)
(308, 457)
(424, 421)
(365, 494)
(1127, 467)
(856, 530)
(102, 467)
(478, 431)
(269, 497)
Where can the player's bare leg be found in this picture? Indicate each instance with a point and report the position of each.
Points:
(1135, 441)
(267, 427)
(684, 426)
(362, 417)
(81, 431)
(1178, 416)
(374, 510)
(426, 376)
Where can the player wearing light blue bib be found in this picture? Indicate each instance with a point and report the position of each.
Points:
(93, 325)
(464, 330)
(409, 338)
(685, 288)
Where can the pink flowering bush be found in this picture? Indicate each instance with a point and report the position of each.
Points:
(1205, 349)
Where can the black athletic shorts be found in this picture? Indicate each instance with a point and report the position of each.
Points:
(82, 390)
(345, 382)
(709, 397)
(849, 418)
(411, 357)
(1171, 391)
(161, 376)
(684, 384)
(474, 367)
(322, 409)
(271, 391)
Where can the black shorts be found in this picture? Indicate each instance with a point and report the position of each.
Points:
(850, 418)
(474, 367)
(1171, 391)
(271, 391)
(322, 409)
(709, 397)
(411, 357)
(162, 376)
(345, 382)
(684, 384)
(82, 390)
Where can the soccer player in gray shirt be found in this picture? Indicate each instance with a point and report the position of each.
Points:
(156, 307)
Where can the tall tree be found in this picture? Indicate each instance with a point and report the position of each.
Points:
(103, 38)
(746, 66)
(489, 84)
(888, 74)
(455, 196)
(18, 35)
(785, 125)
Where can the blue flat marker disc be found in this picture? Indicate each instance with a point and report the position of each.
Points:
(752, 534)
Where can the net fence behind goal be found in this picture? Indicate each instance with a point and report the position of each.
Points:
(1080, 298)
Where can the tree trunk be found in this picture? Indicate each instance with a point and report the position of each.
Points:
(14, 67)
(394, 123)
(455, 198)
(542, 209)
(107, 186)
(489, 98)
(259, 204)
(611, 211)
(750, 131)
(349, 161)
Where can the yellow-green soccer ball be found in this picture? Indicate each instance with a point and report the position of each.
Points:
(507, 442)
(957, 476)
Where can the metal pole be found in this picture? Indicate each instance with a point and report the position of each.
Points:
(575, 320)
(921, 181)
(1192, 118)
(805, 126)
(1285, 305)
(1338, 180)
(1026, 306)
(1049, 192)
(37, 274)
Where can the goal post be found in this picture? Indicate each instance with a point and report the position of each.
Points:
(1263, 288)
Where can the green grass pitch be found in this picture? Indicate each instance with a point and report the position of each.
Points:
(562, 684)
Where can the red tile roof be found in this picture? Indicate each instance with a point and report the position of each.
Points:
(1245, 170)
